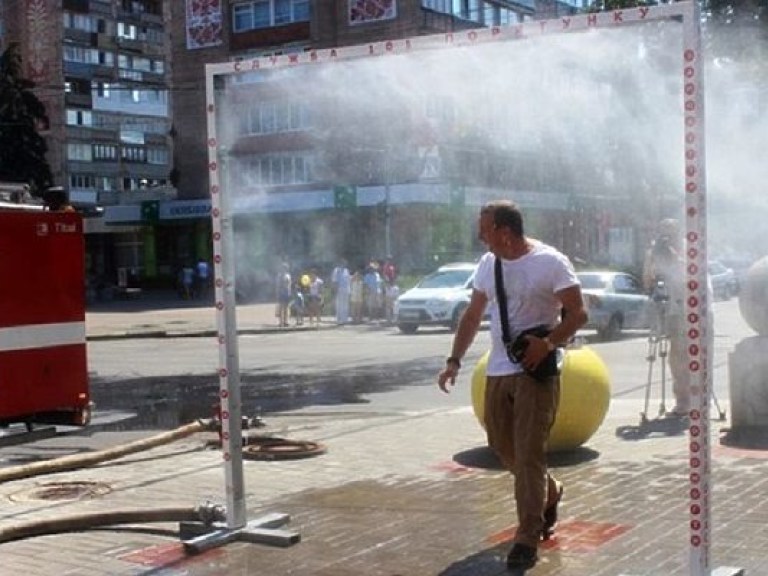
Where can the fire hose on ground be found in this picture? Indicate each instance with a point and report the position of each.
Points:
(76, 461)
(206, 513)
(257, 448)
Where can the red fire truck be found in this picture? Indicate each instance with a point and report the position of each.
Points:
(43, 367)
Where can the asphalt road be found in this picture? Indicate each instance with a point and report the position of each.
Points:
(143, 385)
(353, 367)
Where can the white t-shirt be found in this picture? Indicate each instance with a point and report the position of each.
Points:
(530, 283)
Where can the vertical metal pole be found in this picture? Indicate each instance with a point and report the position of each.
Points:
(696, 305)
(224, 268)
(387, 208)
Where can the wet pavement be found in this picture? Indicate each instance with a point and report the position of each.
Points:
(397, 493)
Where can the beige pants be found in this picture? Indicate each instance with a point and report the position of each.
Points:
(519, 413)
(678, 362)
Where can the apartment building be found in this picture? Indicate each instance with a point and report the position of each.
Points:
(276, 152)
(101, 69)
(121, 141)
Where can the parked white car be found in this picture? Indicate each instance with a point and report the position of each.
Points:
(437, 300)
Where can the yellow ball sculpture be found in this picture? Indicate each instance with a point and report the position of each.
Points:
(585, 392)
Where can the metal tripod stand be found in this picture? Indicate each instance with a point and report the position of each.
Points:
(658, 348)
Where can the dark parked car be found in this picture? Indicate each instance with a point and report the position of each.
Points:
(615, 301)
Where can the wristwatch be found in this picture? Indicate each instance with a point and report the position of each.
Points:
(455, 361)
(548, 342)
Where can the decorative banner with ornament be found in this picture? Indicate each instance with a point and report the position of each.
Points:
(365, 11)
(204, 23)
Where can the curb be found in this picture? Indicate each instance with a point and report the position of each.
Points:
(207, 333)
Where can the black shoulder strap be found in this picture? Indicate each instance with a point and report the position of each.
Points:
(501, 298)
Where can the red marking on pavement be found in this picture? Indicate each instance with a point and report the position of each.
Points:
(451, 467)
(165, 555)
(571, 535)
(723, 450)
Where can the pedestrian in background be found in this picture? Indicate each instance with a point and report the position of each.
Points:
(283, 293)
(202, 278)
(341, 279)
(540, 290)
(298, 306)
(188, 281)
(356, 290)
(391, 292)
(315, 301)
(388, 269)
(664, 280)
(372, 291)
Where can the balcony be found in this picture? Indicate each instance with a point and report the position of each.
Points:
(100, 7)
(131, 45)
(78, 37)
(78, 100)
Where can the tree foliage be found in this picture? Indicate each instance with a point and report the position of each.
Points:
(738, 12)
(737, 29)
(22, 148)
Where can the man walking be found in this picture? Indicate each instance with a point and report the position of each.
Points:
(540, 290)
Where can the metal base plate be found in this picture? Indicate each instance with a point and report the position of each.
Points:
(198, 537)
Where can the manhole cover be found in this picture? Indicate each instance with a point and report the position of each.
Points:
(270, 448)
(273, 448)
(62, 491)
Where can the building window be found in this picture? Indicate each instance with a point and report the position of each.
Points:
(142, 7)
(278, 170)
(79, 117)
(267, 13)
(77, 86)
(128, 62)
(79, 152)
(82, 182)
(142, 183)
(135, 95)
(83, 22)
(106, 152)
(486, 13)
(134, 154)
(102, 89)
(128, 31)
(135, 124)
(105, 183)
(276, 117)
(152, 35)
(157, 156)
(88, 56)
